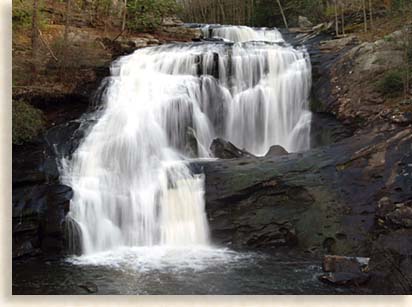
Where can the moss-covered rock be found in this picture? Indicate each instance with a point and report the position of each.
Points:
(28, 122)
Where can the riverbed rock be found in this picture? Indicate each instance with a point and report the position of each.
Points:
(335, 263)
(345, 278)
(89, 287)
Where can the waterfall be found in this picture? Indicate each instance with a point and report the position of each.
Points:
(164, 105)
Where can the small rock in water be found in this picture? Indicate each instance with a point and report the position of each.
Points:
(333, 263)
(89, 287)
(342, 270)
(345, 279)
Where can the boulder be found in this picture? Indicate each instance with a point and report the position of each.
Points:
(276, 150)
(345, 279)
(401, 217)
(334, 263)
(344, 271)
(226, 150)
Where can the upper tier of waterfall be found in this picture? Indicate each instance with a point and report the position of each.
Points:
(132, 186)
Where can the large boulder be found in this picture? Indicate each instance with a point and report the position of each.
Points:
(321, 201)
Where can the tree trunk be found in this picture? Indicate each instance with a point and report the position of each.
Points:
(365, 19)
(34, 39)
(283, 14)
(66, 39)
(124, 15)
(343, 17)
(336, 19)
(371, 14)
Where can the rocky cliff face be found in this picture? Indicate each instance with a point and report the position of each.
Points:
(322, 201)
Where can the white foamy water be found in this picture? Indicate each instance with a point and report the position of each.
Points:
(240, 34)
(146, 259)
(132, 184)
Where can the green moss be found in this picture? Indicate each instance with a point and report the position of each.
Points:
(28, 122)
(391, 85)
(22, 14)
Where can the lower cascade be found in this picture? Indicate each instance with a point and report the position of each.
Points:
(164, 106)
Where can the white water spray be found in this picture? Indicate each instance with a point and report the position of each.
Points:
(131, 181)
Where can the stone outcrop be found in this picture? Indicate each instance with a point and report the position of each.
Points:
(40, 202)
(322, 201)
(276, 150)
(226, 150)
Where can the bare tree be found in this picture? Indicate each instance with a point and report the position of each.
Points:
(124, 15)
(336, 18)
(34, 38)
(343, 16)
(371, 14)
(65, 52)
(365, 19)
(283, 14)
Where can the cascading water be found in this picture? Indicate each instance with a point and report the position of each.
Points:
(131, 180)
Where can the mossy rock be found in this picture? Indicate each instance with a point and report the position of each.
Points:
(28, 122)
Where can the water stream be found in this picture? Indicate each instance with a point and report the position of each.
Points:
(133, 189)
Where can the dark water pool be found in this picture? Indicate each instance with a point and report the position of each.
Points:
(172, 272)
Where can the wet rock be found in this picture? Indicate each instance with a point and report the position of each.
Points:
(89, 287)
(40, 202)
(27, 165)
(326, 197)
(344, 271)
(334, 263)
(226, 150)
(390, 269)
(26, 248)
(275, 151)
(38, 218)
(385, 205)
(401, 217)
(404, 118)
(326, 130)
(191, 142)
(345, 279)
